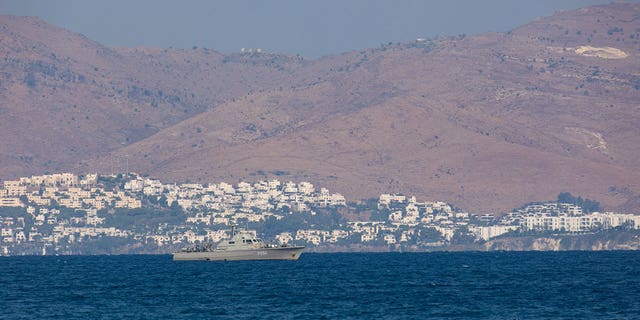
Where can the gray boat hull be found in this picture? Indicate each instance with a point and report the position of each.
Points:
(279, 253)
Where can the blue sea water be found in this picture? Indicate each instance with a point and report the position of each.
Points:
(471, 285)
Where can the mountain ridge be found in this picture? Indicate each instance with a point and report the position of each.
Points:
(486, 122)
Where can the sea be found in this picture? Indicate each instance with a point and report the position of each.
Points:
(442, 285)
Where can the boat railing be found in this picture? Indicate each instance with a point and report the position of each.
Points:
(205, 247)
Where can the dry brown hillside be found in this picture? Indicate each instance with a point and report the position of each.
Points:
(486, 122)
(65, 98)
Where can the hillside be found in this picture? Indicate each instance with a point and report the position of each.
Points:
(485, 122)
(89, 100)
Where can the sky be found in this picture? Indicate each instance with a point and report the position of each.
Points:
(309, 28)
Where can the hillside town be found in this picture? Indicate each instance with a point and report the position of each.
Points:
(127, 213)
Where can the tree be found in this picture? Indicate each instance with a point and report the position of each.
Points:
(463, 236)
(24, 199)
(162, 201)
(565, 197)
(175, 206)
(30, 80)
(587, 205)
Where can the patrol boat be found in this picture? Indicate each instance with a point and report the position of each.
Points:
(243, 245)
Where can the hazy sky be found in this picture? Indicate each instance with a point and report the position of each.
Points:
(309, 28)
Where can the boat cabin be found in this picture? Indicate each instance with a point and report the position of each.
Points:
(242, 240)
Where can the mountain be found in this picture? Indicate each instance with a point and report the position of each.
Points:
(485, 122)
(65, 98)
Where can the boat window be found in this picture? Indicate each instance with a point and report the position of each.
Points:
(232, 242)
